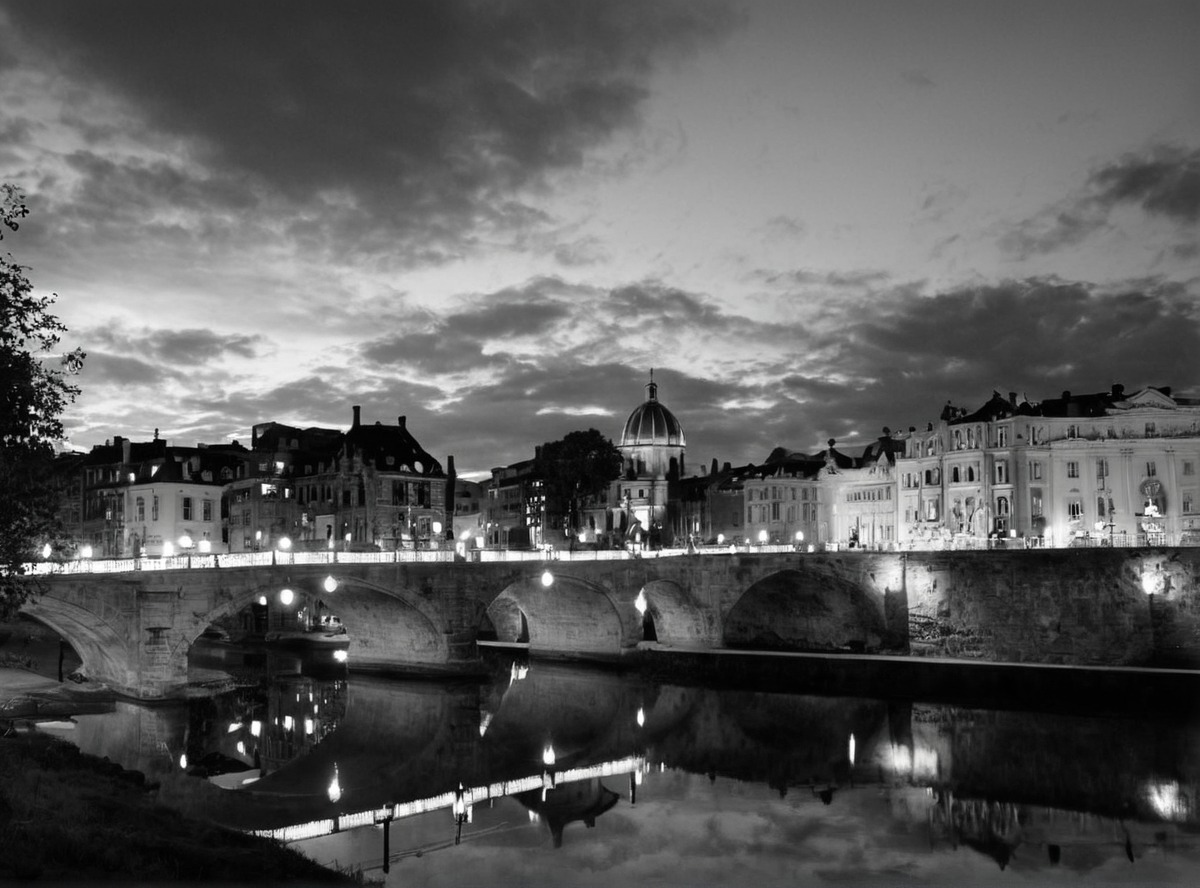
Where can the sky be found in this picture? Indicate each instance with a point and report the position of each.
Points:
(812, 220)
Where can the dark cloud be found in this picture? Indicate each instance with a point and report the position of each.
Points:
(176, 348)
(430, 115)
(1164, 182)
(103, 369)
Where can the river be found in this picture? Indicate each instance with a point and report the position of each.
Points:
(545, 773)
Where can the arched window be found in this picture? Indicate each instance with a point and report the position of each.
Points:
(954, 475)
(1002, 506)
(970, 473)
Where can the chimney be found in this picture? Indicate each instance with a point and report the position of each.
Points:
(1118, 392)
(449, 464)
(357, 416)
(126, 450)
(401, 420)
(1066, 396)
(1012, 399)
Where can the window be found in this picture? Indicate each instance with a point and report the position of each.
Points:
(1035, 471)
(1099, 507)
(141, 508)
(1189, 501)
(1189, 467)
(1101, 468)
(1150, 430)
(774, 511)
(1072, 469)
(1072, 431)
(970, 473)
(1151, 469)
(1035, 502)
(207, 510)
(954, 475)
(931, 510)
(1002, 436)
(154, 509)
(1001, 471)
(1074, 509)
(187, 508)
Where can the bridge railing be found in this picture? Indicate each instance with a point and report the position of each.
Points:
(332, 556)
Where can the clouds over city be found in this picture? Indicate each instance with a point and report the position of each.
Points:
(495, 219)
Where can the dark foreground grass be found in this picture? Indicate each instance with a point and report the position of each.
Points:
(66, 817)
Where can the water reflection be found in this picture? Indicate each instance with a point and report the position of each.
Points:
(549, 773)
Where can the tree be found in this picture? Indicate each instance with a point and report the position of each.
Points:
(33, 394)
(577, 466)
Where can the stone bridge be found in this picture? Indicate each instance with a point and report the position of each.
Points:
(133, 629)
(1110, 607)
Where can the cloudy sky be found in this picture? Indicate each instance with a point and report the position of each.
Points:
(812, 219)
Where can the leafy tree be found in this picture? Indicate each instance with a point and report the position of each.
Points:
(33, 395)
(575, 467)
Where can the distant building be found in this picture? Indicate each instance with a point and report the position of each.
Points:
(1103, 468)
(645, 502)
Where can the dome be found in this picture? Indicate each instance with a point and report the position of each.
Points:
(652, 423)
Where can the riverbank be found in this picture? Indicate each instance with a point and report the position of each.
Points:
(66, 817)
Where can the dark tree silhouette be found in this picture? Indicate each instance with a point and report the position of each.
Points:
(577, 466)
(33, 394)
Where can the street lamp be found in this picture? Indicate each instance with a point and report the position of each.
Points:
(185, 543)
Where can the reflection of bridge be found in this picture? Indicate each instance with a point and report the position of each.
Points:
(133, 628)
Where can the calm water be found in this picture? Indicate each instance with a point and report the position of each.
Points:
(656, 783)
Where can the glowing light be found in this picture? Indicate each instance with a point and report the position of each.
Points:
(484, 721)
(185, 542)
(46, 550)
(720, 539)
(799, 536)
(641, 716)
(465, 535)
(732, 549)
(287, 722)
(284, 543)
(437, 527)
(637, 778)
(262, 600)
(640, 602)
(168, 550)
(901, 759)
(762, 536)
(241, 747)
(340, 655)
(1167, 800)
(205, 547)
(335, 787)
(811, 547)
(308, 726)
(183, 761)
(286, 597)
(1150, 581)
(234, 726)
(547, 579)
(548, 755)
(851, 749)
(330, 584)
(255, 728)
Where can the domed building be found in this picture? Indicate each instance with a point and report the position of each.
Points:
(652, 448)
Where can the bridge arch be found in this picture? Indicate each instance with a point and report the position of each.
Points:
(679, 621)
(568, 616)
(806, 610)
(103, 648)
(385, 626)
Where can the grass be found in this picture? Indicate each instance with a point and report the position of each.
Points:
(69, 817)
